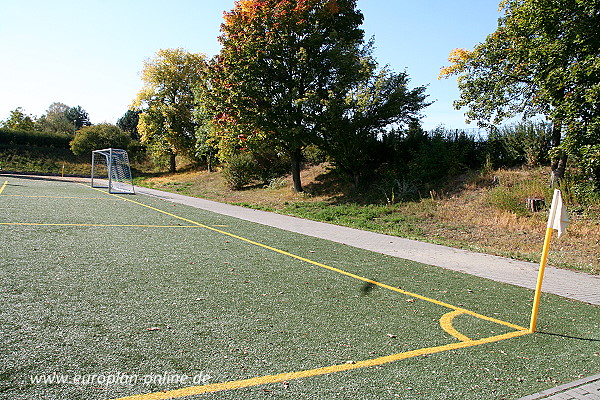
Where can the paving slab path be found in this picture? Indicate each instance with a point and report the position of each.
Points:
(582, 389)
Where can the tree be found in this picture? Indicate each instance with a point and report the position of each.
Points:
(129, 123)
(542, 59)
(166, 103)
(281, 64)
(78, 117)
(361, 116)
(18, 120)
(55, 120)
(98, 137)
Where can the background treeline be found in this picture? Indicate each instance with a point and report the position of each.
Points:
(412, 157)
(296, 83)
(402, 164)
(414, 153)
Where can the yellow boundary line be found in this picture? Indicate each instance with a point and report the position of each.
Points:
(217, 387)
(100, 225)
(3, 186)
(445, 322)
(55, 197)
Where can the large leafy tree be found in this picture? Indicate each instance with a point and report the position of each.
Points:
(166, 103)
(78, 117)
(18, 120)
(56, 120)
(282, 63)
(129, 123)
(544, 58)
(359, 117)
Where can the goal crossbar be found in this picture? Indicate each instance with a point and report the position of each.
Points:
(118, 170)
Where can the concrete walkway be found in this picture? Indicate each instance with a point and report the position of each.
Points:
(582, 389)
(574, 285)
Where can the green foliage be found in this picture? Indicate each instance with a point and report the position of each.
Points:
(511, 196)
(39, 139)
(129, 123)
(542, 59)
(313, 154)
(206, 148)
(263, 165)
(397, 189)
(276, 183)
(584, 150)
(97, 137)
(166, 103)
(136, 152)
(78, 117)
(416, 158)
(327, 93)
(444, 153)
(523, 143)
(47, 160)
(240, 170)
(357, 119)
(589, 162)
(56, 119)
(270, 164)
(18, 120)
(281, 64)
(580, 194)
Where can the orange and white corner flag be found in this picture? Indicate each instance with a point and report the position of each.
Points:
(559, 218)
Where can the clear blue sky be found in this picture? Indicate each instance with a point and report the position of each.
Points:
(90, 52)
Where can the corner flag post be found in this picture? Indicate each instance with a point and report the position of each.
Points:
(559, 220)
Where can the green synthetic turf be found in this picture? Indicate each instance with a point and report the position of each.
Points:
(187, 300)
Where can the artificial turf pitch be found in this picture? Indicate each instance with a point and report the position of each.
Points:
(136, 287)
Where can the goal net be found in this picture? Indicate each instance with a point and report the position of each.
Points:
(110, 169)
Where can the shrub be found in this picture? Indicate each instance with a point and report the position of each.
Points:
(99, 136)
(269, 164)
(240, 170)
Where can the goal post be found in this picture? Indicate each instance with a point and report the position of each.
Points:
(113, 166)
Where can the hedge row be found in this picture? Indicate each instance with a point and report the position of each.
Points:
(38, 139)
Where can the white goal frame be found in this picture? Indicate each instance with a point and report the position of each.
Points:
(119, 175)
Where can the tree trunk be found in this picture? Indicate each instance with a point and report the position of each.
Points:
(296, 157)
(559, 165)
(558, 170)
(355, 180)
(172, 165)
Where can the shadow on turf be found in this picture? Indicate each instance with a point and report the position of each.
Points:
(568, 337)
(366, 288)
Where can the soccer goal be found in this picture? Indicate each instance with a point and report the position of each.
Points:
(114, 168)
